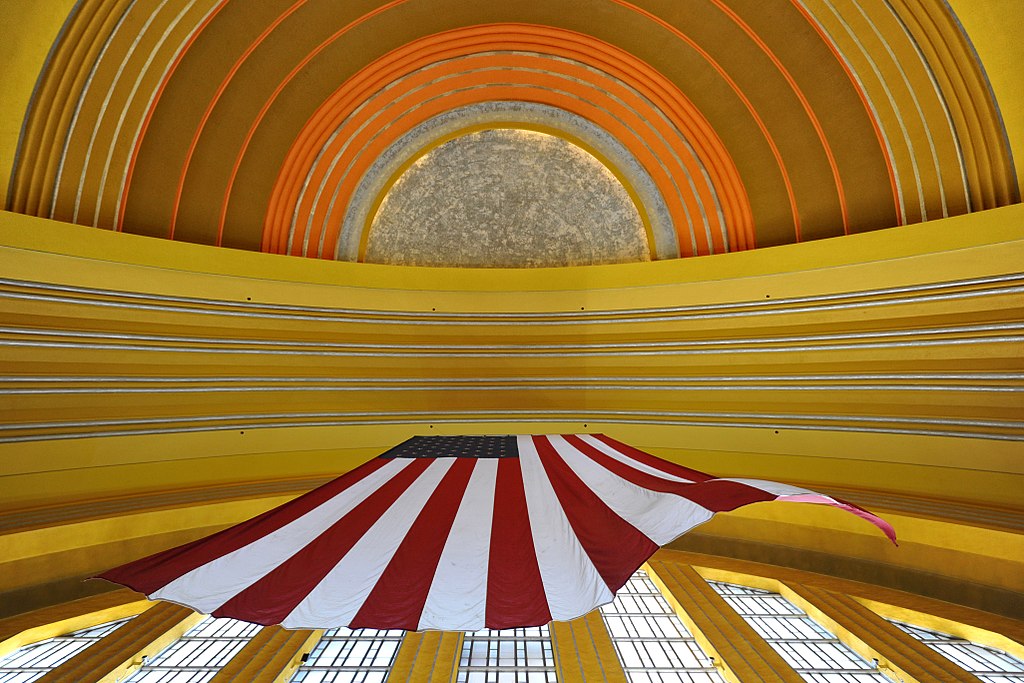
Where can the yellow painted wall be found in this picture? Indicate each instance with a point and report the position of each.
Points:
(30, 28)
(923, 480)
(994, 28)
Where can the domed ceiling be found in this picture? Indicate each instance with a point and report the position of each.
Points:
(286, 126)
(155, 391)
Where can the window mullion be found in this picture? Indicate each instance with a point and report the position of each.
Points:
(812, 651)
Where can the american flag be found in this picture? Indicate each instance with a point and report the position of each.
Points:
(454, 533)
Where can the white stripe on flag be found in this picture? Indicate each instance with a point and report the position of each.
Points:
(774, 487)
(659, 516)
(457, 600)
(572, 584)
(338, 597)
(209, 586)
(626, 460)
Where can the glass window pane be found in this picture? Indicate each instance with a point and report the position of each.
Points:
(653, 644)
(988, 664)
(199, 654)
(521, 655)
(816, 654)
(31, 662)
(350, 656)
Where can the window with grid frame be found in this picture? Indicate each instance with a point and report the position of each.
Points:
(30, 662)
(816, 654)
(652, 643)
(987, 663)
(199, 654)
(350, 656)
(519, 655)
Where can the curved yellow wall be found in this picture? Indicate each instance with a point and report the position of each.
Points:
(994, 30)
(884, 368)
(31, 29)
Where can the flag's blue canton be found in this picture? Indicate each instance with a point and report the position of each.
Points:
(455, 447)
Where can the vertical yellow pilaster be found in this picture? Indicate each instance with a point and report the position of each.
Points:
(738, 651)
(584, 650)
(32, 627)
(121, 652)
(272, 656)
(873, 637)
(427, 657)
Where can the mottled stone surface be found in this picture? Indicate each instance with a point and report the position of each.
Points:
(502, 114)
(507, 198)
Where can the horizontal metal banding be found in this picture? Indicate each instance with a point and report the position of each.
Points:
(101, 385)
(987, 516)
(1000, 285)
(662, 375)
(1009, 430)
(211, 379)
(23, 520)
(498, 352)
(912, 338)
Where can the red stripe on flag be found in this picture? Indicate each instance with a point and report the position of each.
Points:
(397, 599)
(149, 574)
(515, 591)
(615, 546)
(273, 597)
(716, 495)
(653, 461)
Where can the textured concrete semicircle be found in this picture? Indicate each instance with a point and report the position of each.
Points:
(507, 198)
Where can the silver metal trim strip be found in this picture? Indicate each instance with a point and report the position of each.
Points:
(734, 420)
(458, 353)
(723, 310)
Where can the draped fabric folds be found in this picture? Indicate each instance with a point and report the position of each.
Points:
(454, 533)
